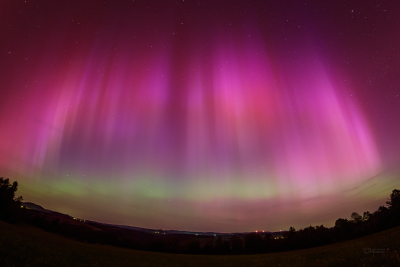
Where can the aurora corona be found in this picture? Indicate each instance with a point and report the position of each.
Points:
(176, 128)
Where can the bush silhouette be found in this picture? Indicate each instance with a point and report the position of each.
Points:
(10, 206)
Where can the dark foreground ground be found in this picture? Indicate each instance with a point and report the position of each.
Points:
(26, 245)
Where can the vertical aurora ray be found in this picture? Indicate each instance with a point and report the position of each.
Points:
(177, 132)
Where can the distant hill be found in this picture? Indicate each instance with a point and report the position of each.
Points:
(178, 232)
(33, 206)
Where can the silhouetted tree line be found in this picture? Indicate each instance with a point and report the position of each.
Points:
(10, 206)
(359, 225)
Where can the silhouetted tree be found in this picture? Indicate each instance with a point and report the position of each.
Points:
(209, 247)
(394, 207)
(268, 242)
(394, 201)
(236, 244)
(222, 246)
(9, 205)
(356, 217)
(291, 234)
(343, 229)
(381, 218)
(366, 216)
(253, 243)
(193, 246)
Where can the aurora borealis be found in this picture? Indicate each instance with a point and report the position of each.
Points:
(203, 116)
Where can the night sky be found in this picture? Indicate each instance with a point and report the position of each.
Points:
(201, 115)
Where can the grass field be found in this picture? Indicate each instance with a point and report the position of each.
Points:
(29, 246)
